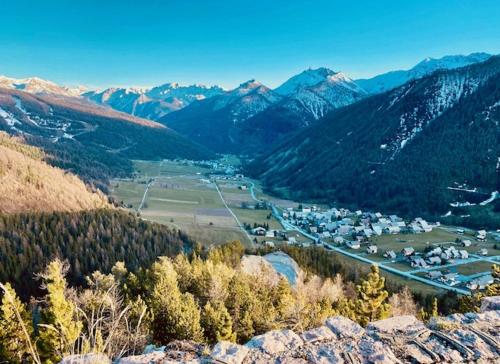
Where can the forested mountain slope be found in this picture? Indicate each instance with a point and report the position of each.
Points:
(399, 151)
(88, 240)
(27, 183)
(71, 129)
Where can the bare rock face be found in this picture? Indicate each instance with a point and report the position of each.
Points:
(229, 353)
(275, 342)
(344, 327)
(490, 304)
(458, 338)
(86, 359)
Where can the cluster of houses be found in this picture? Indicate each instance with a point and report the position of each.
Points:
(453, 279)
(437, 256)
(342, 222)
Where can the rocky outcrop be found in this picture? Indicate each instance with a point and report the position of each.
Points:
(458, 338)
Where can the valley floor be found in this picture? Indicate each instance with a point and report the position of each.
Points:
(215, 208)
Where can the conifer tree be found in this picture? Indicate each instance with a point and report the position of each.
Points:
(16, 329)
(217, 323)
(176, 314)
(60, 326)
(371, 303)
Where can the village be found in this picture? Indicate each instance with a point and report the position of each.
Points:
(446, 257)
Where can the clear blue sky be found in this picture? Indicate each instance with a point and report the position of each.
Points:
(148, 42)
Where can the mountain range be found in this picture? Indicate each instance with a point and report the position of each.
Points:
(418, 147)
(414, 140)
(152, 103)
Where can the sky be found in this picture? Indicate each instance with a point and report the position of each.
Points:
(226, 42)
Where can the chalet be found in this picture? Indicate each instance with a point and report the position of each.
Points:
(338, 240)
(372, 249)
(260, 231)
(425, 226)
(434, 274)
(480, 282)
(243, 187)
(415, 228)
(390, 254)
(377, 229)
(313, 229)
(435, 251)
(378, 215)
(306, 210)
(292, 240)
(434, 260)
(368, 232)
(353, 244)
(418, 262)
(460, 231)
(269, 243)
(392, 229)
(450, 279)
(344, 230)
(481, 235)
(466, 243)
(359, 229)
(408, 251)
(483, 252)
(270, 234)
(394, 218)
(463, 254)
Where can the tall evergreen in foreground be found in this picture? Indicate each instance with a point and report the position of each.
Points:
(371, 304)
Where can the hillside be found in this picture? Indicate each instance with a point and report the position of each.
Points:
(217, 122)
(77, 133)
(403, 151)
(27, 183)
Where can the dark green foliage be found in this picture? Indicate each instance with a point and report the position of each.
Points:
(89, 240)
(341, 160)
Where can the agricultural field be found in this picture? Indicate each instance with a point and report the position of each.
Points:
(180, 196)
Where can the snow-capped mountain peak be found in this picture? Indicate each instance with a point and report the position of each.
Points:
(309, 77)
(393, 79)
(36, 85)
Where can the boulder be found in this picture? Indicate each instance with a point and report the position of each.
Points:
(490, 304)
(405, 325)
(275, 342)
(86, 359)
(229, 353)
(323, 354)
(152, 357)
(376, 352)
(318, 334)
(344, 327)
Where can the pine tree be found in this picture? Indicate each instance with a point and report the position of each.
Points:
(60, 326)
(434, 310)
(371, 305)
(176, 314)
(217, 323)
(16, 330)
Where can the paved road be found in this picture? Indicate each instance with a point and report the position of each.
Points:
(233, 214)
(145, 194)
